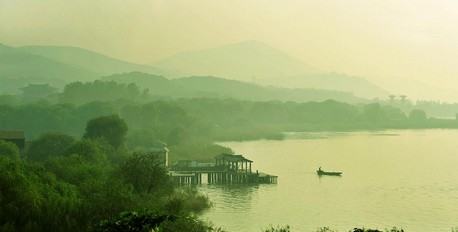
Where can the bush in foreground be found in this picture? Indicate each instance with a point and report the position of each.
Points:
(149, 221)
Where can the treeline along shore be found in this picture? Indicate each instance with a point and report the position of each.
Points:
(183, 123)
(86, 165)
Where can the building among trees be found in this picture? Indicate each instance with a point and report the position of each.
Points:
(14, 136)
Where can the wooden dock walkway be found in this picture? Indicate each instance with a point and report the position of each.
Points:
(227, 169)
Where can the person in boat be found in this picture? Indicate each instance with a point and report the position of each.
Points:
(319, 169)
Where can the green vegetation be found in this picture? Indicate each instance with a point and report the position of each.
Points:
(214, 87)
(9, 150)
(94, 124)
(59, 66)
(86, 168)
(277, 229)
(111, 128)
(190, 126)
(47, 145)
(80, 93)
(64, 184)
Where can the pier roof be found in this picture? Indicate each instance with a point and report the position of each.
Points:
(233, 158)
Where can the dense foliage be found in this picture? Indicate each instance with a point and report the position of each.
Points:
(64, 184)
(111, 128)
(148, 221)
(190, 125)
(79, 92)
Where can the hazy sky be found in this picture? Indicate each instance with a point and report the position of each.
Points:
(383, 40)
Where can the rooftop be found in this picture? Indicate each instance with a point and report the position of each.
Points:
(12, 134)
(232, 158)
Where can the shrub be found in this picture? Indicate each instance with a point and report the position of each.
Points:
(277, 229)
(9, 149)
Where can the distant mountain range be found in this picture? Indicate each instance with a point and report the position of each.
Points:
(88, 60)
(57, 66)
(257, 62)
(247, 62)
(17, 68)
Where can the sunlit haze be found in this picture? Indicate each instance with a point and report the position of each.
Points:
(403, 46)
(229, 115)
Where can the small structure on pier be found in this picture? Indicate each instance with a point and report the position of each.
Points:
(227, 169)
(236, 163)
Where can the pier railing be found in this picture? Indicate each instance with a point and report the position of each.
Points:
(218, 176)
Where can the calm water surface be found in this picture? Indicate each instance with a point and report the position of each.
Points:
(394, 178)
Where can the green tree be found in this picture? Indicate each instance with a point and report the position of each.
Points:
(80, 93)
(148, 221)
(147, 173)
(34, 92)
(133, 222)
(88, 149)
(106, 197)
(32, 198)
(374, 113)
(111, 128)
(49, 145)
(9, 149)
(417, 115)
(186, 201)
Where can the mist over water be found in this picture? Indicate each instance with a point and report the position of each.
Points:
(406, 179)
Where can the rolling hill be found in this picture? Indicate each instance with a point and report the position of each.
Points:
(17, 68)
(242, 61)
(88, 60)
(214, 87)
(208, 73)
(15, 63)
(259, 63)
(56, 66)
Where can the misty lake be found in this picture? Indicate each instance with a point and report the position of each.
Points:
(407, 179)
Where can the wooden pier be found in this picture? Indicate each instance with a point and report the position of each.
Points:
(227, 169)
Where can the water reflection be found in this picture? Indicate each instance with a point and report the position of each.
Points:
(231, 196)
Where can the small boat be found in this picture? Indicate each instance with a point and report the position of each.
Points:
(324, 173)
